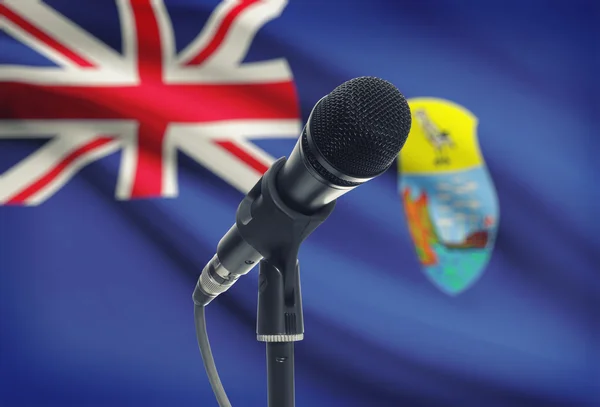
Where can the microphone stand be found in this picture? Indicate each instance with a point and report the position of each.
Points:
(279, 323)
(276, 231)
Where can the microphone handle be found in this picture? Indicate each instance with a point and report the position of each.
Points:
(266, 226)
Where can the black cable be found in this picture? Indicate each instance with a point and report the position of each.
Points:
(207, 357)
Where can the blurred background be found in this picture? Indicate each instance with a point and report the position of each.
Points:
(466, 275)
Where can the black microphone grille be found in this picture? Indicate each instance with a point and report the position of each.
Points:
(361, 126)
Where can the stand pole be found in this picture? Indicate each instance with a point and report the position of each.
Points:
(280, 374)
(279, 323)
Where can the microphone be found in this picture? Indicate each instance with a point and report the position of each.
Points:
(352, 135)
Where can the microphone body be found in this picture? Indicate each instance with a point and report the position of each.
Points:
(352, 135)
(301, 185)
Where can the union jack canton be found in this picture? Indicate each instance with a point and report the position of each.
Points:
(148, 100)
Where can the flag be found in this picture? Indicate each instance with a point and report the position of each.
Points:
(131, 129)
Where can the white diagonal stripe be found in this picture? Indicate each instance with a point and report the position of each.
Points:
(68, 34)
(240, 35)
(23, 36)
(72, 169)
(208, 31)
(216, 159)
(36, 165)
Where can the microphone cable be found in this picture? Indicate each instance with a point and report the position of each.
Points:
(207, 357)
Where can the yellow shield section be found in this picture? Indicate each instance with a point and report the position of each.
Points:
(423, 153)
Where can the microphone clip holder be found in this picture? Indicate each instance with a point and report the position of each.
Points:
(276, 231)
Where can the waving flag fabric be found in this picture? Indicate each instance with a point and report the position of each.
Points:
(131, 129)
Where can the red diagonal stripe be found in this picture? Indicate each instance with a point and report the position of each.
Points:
(43, 37)
(219, 36)
(244, 156)
(51, 175)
